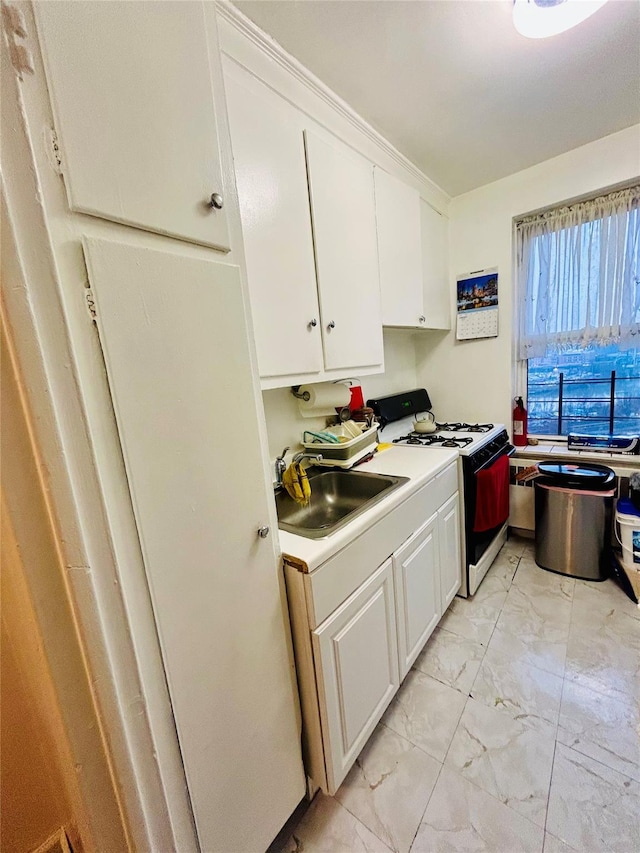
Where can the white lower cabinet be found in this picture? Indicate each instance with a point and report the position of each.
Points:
(357, 668)
(450, 553)
(361, 618)
(416, 568)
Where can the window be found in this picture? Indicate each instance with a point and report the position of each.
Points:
(591, 390)
(579, 324)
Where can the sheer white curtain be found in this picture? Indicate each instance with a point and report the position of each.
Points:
(579, 275)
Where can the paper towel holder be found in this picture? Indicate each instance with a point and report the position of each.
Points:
(295, 390)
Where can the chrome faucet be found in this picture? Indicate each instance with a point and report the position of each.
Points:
(300, 456)
(281, 467)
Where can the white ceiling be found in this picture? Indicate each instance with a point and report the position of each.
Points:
(455, 88)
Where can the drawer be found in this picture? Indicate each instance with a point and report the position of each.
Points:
(446, 483)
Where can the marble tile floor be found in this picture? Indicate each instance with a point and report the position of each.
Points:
(518, 729)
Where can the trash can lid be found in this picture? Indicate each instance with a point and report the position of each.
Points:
(626, 506)
(589, 477)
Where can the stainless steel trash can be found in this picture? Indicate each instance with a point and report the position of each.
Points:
(573, 506)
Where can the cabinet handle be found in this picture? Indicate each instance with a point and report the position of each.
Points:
(331, 325)
(216, 201)
(263, 532)
(422, 318)
(312, 323)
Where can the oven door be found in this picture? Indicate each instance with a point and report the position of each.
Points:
(486, 511)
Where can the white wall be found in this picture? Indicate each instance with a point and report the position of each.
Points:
(473, 380)
(285, 424)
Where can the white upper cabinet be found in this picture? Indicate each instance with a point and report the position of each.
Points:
(308, 224)
(269, 160)
(344, 229)
(399, 250)
(435, 267)
(413, 250)
(132, 94)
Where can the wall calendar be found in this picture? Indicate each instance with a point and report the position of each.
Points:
(477, 305)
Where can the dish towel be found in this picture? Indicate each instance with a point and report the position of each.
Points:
(296, 483)
(492, 496)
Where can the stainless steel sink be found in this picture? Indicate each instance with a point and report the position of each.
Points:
(337, 497)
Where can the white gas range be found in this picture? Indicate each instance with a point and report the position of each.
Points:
(480, 446)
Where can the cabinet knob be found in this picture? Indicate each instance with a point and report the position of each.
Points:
(422, 318)
(312, 323)
(216, 201)
(263, 532)
(331, 325)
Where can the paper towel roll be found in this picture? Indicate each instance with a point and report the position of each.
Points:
(324, 398)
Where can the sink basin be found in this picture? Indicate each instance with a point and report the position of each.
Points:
(337, 497)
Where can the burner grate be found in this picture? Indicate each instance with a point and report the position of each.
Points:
(464, 427)
(429, 440)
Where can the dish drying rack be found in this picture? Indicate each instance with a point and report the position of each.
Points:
(350, 443)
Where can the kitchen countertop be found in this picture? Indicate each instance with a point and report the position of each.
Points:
(419, 466)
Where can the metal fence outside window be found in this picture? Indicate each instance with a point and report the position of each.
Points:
(553, 406)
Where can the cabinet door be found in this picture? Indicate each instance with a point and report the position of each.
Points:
(132, 96)
(435, 267)
(450, 553)
(417, 587)
(271, 176)
(344, 231)
(357, 667)
(174, 337)
(399, 250)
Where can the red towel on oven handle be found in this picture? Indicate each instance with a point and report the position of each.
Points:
(492, 495)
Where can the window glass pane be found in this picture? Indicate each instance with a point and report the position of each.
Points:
(571, 391)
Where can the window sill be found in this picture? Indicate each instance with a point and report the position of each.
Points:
(558, 448)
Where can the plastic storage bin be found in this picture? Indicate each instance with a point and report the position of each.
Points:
(628, 526)
(628, 534)
(573, 506)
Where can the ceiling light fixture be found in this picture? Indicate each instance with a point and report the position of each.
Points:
(538, 19)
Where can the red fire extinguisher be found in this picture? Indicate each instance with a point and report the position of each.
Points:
(519, 423)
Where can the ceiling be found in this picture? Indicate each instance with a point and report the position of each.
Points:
(455, 88)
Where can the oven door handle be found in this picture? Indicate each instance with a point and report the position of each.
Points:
(507, 450)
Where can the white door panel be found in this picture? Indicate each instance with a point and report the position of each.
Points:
(417, 586)
(344, 231)
(132, 94)
(174, 338)
(356, 652)
(271, 176)
(450, 552)
(400, 250)
(435, 267)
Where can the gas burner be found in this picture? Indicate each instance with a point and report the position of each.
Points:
(407, 439)
(432, 439)
(457, 442)
(462, 427)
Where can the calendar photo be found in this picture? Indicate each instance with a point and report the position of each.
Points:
(477, 299)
